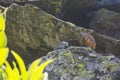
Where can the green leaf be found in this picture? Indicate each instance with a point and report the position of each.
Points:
(33, 67)
(2, 23)
(21, 65)
(3, 39)
(43, 65)
(11, 74)
(3, 55)
(8, 70)
(1, 74)
(15, 73)
(44, 76)
(38, 74)
(2, 20)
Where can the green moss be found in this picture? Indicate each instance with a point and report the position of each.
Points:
(68, 57)
(64, 71)
(110, 65)
(81, 66)
(54, 6)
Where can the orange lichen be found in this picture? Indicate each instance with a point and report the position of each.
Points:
(86, 39)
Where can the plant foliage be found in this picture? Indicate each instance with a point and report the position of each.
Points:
(7, 72)
(3, 39)
(34, 72)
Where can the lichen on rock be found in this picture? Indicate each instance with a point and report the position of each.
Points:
(74, 63)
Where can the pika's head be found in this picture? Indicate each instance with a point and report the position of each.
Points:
(86, 39)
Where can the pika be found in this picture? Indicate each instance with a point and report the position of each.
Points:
(86, 39)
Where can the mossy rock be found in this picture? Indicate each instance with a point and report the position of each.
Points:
(74, 63)
(32, 33)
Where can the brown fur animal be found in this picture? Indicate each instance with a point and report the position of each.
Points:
(86, 39)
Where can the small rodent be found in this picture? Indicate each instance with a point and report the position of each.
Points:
(86, 39)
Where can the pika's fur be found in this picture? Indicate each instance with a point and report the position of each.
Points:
(86, 39)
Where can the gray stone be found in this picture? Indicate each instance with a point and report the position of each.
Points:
(108, 2)
(32, 33)
(57, 7)
(106, 22)
(75, 63)
(69, 10)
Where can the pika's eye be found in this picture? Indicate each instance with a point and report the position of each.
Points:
(83, 39)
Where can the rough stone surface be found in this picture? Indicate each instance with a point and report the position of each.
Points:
(82, 63)
(106, 22)
(12, 1)
(108, 2)
(57, 7)
(78, 12)
(35, 31)
(32, 33)
(74, 11)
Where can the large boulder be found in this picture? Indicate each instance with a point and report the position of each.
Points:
(32, 33)
(61, 7)
(82, 63)
(75, 11)
(108, 2)
(57, 7)
(78, 12)
(106, 22)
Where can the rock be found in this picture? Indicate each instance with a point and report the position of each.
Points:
(108, 2)
(57, 7)
(61, 7)
(78, 12)
(112, 5)
(106, 22)
(69, 10)
(62, 45)
(36, 33)
(77, 63)
(106, 44)
(11, 1)
(53, 7)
